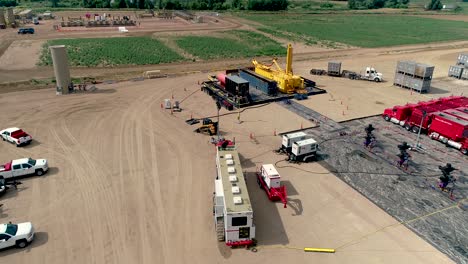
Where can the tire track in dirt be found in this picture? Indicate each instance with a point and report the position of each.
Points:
(109, 197)
(86, 193)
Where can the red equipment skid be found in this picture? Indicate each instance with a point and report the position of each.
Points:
(274, 191)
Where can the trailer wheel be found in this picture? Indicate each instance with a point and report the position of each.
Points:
(415, 129)
(464, 151)
(408, 127)
(386, 118)
(259, 184)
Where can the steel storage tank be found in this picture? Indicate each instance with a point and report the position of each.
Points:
(2, 16)
(61, 70)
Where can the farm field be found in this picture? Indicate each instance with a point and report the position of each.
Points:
(112, 51)
(102, 52)
(363, 30)
(234, 44)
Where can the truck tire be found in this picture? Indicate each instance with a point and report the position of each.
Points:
(220, 229)
(464, 151)
(259, 183)
(3, 138)
(376, 80)
(386, 118)
(415, 129)
(408, 127)
(21, 243)
(39, 172)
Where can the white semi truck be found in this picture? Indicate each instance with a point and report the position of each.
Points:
(233, 213)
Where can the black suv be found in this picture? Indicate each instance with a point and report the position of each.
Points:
(26, 31)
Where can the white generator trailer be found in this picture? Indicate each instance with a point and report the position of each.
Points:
(289, 139)
(233, 214)
(303, 150)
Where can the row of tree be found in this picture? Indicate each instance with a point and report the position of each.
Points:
(374, 4)
(8, 3)
(266, 5)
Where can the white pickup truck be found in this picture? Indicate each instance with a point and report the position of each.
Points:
(16, 136)
(19, 235)
(21, 167)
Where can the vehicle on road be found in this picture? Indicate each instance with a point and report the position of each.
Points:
(19, 235)
(23, 167)
(16, 136)
(334, 69)
(26, 31)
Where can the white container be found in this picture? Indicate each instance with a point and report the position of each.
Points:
(167, 103)
(289, 139)
(304, 147)
(270, 176)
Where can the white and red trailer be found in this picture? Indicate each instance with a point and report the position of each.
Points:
(269, 179)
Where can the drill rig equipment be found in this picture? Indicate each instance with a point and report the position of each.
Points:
(287, 82)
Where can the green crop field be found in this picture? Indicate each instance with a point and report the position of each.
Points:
(234, 44)
(362, 30)
(112, 51)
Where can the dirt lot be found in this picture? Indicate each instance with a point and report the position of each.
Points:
(130, 182)
(21, 55)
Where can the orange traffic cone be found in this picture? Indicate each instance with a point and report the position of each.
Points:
(274, 132)
(342, 112)
(162, 106)
(302, 126)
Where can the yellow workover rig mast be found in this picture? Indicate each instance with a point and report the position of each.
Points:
(287, 81)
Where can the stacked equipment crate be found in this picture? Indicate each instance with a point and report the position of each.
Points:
(460, 71)
(414, 76)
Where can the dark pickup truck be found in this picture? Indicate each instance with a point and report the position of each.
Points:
(26, 31)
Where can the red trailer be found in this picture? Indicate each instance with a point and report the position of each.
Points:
(461, 112)
(450, 130)
(269, 179)
(398, 113)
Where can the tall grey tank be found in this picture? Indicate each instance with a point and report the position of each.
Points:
(62, 72)
(10, 16)
(2, 16)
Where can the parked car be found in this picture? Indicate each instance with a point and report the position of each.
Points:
(26, 31)
(19, 235)
(22, 167)
(16, 136)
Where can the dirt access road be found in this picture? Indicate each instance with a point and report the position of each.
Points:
(131, 183)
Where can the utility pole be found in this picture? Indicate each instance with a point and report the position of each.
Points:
(238, 111)
(420, 128)
(218, 106)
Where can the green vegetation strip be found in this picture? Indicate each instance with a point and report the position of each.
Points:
(112, 51)
(363, 30)
(235, 44)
